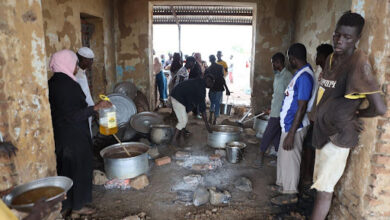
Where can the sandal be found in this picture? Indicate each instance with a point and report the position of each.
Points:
(285, 199)
(275, 188)
(84, 211)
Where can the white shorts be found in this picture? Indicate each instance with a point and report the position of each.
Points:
(181, 114)
(329, 167)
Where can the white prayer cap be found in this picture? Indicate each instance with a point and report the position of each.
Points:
(86, 52)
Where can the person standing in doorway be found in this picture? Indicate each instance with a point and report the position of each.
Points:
(202, 64)
(184, 72)
(293, 121)
(215, 92)
(222, 63)
(282, 78)
(346, 81)
(85, 56)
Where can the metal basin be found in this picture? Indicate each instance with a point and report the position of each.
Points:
(58, 181)
(141, 122)
(259, 126)
(161, 134)
(223, 134)
(225, 109)
(118, 165)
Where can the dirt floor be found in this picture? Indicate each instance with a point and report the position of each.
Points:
(159, 199)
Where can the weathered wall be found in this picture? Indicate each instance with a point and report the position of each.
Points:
(24, 107)
(63, 31)
(315, 22)
(274, 33)
(364, 191)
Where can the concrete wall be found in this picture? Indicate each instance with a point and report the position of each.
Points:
(274, 33)
(24, 106)
(63, 31)
(363, 191)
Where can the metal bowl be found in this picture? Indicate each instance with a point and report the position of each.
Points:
(59, 181)
(238, 144)
(141, 122)
(161, 134)
(223, 134)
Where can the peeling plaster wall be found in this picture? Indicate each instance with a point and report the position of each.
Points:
(63, 31)
(24, 106)
(363, 192)
(274, 32)
(315, 23)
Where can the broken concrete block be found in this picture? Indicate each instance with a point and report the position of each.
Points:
(221, 152)
(133, 217)
(243, 184)
(180, 155)
(249, 132)
(193, 179)
(163, 160)
(215, 157)
(99, 177)
(200, 167)
(185, 195)
(139, 182)
(218, 197)
(153, 152)
(201, 196)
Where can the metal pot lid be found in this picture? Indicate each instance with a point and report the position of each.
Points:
(126, 88)
(125, 108)
(141, 122)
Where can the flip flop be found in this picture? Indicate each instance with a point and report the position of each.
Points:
(275, 188)
(84, 211)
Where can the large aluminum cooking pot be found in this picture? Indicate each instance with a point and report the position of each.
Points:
(259, 126)
(57, 181)
(161, 134)
(223, 134)
(118, 165)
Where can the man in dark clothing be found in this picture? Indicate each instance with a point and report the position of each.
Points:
(346, 81)
(185, 96)
(215, 93)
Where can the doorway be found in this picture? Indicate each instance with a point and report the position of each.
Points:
(208, 27)
(92, 36)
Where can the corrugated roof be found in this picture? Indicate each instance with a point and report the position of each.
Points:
(227, 15)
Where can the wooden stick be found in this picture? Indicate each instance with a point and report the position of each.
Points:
(127, 152)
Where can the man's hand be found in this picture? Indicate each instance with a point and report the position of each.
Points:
(7, 148)
(288, 143)
(227, 92)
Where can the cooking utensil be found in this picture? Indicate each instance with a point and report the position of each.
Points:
(62, 182)
(233, 154)
(225, 109)
(223, 134)
(238, 144)
(141, 122)
(161, 134)
(244, 117)
(259, 126)
(125, 167)
(126, 88)
(258, 115)
(125, 108)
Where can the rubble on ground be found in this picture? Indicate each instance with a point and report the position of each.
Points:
(201, 196)
(99, 177)
(153, 152)
(221, 152)
(139, 182)
(218, 197)
(163, 161)
(243, 184)
(139, 216)
(249, 132)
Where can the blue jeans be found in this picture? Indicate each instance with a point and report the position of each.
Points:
(215, 99)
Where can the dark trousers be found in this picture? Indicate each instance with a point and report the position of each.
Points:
(271, 134)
